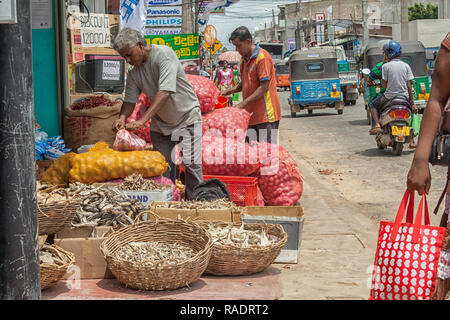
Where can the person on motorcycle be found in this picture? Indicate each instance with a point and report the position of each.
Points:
(397, 80)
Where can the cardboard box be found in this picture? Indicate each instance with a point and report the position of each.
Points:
(146, 197)
(292, 220)
(84, 243)
(215, 214)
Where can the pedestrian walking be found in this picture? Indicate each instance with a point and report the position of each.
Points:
(419, 177)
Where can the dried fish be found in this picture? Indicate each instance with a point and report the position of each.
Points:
(155, 253)
(240, 237)
(216, 204)
(104, 205)
(137, 182)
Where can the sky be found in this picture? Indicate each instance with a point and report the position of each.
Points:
(249, 13)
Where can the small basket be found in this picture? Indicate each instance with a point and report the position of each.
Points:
(51, 273)
(233, 260)
(243, 190)
(160, 277)
(53, 217)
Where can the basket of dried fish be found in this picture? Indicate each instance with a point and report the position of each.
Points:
(54, 262)
(104, 205)
(243, 249)
(159, 254)
(55, 209)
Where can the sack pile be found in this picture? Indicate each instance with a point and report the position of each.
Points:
(205, 90)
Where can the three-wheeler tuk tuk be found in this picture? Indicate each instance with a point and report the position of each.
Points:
(315, 84)
(282, 74)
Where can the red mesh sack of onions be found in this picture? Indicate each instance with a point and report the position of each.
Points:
(279, 176)
(226, 122)
(205, 90)
(138, 113)
(227, 157)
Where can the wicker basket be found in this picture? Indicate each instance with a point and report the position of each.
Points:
(52, 218)
(160, 277)
(52, 273)
(233, 260)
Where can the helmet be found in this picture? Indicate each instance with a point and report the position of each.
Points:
(392, 49)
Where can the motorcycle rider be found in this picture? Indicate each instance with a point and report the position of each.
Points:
(397, 80)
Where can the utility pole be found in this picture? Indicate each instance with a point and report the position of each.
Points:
(404, 11)
(275, 31)
(364, 23)
(19, 252)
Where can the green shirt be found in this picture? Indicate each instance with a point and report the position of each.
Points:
(376, 74)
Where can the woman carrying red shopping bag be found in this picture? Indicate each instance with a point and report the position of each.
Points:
(419, 177)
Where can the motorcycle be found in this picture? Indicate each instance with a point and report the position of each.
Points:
(395, 119)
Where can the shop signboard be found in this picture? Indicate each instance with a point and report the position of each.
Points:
(163, 22)
(164, 2)
(320, 27)
(164, 11)
(161, 31)
(186, 46)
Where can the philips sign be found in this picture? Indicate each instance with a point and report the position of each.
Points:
(163, 21)
(164, 11)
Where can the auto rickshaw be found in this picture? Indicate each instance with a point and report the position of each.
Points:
(315, 83)
(282, 74)
(413, 53)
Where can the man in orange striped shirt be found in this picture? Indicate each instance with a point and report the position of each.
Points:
(258, 86)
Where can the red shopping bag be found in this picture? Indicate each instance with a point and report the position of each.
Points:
(128, 141)
(407, 255)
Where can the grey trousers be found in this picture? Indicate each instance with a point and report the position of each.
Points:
(265, 132)
(189, 140)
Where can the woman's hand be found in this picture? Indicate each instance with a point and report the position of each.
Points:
(419, 177)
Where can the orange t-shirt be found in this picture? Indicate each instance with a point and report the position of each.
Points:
(446, 42)
(254, 70)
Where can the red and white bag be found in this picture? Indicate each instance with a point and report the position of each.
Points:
(138, 112)
(227, 122)
(407, 255)
(128, 141)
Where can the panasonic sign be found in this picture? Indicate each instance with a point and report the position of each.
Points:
(164, 11)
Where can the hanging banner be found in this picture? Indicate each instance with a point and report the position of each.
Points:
(132, 14)
(186, 46)
(212, 6)
(164, 2)
(164, 11)
(164, 22)
(161, 31)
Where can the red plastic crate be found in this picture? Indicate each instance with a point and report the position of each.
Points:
(243, 190)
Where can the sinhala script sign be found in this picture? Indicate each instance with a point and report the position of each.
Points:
(186, 46)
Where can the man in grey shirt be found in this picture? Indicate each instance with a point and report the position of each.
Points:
(175, 110)
(397, 79)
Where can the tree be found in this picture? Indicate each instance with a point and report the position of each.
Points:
(419, 11)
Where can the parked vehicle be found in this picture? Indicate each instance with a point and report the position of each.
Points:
(315, 80)
(349, 79)
(282, 74)
(395, 118)
(413, 53)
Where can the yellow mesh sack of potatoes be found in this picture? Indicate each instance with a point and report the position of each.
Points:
(58, 172)
(102, 164)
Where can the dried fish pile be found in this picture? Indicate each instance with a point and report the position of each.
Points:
(216, 204)
(137, 182)
(104, 206)
(239, 236)
(49, 255)
(51, 194)
(155, 253)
